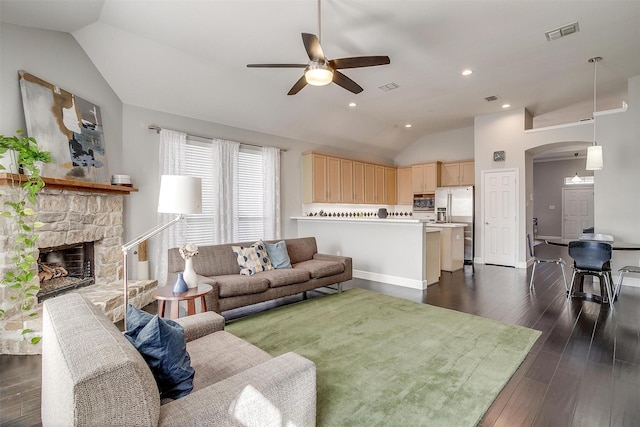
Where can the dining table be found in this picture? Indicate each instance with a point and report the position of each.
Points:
(616, 246)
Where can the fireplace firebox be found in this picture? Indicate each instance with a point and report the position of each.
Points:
(64, 268)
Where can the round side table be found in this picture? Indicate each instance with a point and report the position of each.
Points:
(165, 294)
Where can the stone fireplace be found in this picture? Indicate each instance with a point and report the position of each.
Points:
(79, 250)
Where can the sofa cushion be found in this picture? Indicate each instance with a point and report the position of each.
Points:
(162, 345)
(301, 249)
(318, 269)
(286, 276)
(278, 254)
(221, 355)
(234, 285)
(252, 259)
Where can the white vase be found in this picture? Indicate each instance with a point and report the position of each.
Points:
(190, 275)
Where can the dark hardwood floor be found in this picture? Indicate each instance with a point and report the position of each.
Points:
(583, 371)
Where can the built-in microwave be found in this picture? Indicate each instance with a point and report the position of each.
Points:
(424, 203)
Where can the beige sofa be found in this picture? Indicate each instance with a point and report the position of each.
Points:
(93, 376)
(217, 265)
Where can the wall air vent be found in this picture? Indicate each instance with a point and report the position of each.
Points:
(491, 98)
(563, 31)
(388, 87)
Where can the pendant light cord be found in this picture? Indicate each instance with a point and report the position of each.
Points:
(595, 75)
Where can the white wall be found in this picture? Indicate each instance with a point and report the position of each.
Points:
(616, 199)
(452, 145)
(56, 58)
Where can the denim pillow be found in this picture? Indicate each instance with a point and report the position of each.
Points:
(278, 254)
(163, 346)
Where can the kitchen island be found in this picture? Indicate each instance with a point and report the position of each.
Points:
(396, 251)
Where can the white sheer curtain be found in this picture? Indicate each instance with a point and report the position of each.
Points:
(225, 191)
(172, 162)
(271, 193)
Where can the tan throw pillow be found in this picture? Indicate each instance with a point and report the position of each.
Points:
(253, 259)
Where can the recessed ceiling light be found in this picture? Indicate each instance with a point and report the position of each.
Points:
(467, 72)
(506, 105)
(408, 125)
(352, 104)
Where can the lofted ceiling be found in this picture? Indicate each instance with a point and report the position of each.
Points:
(189, 58)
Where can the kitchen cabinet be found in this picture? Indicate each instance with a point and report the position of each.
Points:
(369, 183)
(334, 186)
(451, 246)
(457, 173)
(390, 185)
(346, 181)
(331, 179)
(425, 177)
(404, 192)
(380, 196)
(320, 178)
(358, 182)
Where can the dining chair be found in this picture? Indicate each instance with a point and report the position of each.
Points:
(592, 258)
(536, 261)
(623, 271)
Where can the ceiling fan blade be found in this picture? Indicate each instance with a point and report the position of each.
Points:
(344, 81)
(359, 61)
(313, 48)
(276, 65)
(302, 82)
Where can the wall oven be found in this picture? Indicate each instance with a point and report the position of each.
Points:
(424, 203)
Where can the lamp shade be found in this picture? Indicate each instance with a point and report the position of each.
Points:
(180, 195)
(594, 158)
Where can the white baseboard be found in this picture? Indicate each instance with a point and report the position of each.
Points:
(633, 282)
(391, 280)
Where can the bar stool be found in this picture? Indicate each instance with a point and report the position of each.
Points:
(623, 271)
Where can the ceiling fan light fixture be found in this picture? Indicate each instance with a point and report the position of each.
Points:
(318, 74)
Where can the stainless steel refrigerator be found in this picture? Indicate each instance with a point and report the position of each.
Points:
(456, 204)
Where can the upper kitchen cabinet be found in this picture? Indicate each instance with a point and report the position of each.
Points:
(457, 173)
(358, 182)
(321, 181)
(390, 185)
(346, 181)
(405, 188)
(330, 179)
(425, 177)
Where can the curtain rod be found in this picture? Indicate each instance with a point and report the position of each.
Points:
(158, 129)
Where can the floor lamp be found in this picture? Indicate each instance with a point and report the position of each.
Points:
(178, 195)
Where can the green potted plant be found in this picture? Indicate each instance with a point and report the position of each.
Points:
(19, 210)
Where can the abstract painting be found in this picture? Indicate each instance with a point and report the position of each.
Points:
(69, 127)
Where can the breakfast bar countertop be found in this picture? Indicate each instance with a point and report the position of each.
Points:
(387, 220)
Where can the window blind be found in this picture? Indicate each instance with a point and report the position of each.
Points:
(198, 158)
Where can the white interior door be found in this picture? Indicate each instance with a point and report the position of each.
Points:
(577, 211)
(500, 217)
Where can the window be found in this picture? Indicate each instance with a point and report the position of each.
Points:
(571, 180)
(198, 158)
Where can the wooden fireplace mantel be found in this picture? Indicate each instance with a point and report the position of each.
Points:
(70, 185)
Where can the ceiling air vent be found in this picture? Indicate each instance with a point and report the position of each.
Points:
(491, 98)
(563, 31)
(388, 87)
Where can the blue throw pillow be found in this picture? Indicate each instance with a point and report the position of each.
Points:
(278, 254)
(163, 346)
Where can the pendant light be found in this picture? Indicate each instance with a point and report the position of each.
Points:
(594, 152)
(576, 179)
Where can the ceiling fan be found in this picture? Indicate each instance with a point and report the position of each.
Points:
(320, 71)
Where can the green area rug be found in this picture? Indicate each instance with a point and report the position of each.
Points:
(387, 361)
